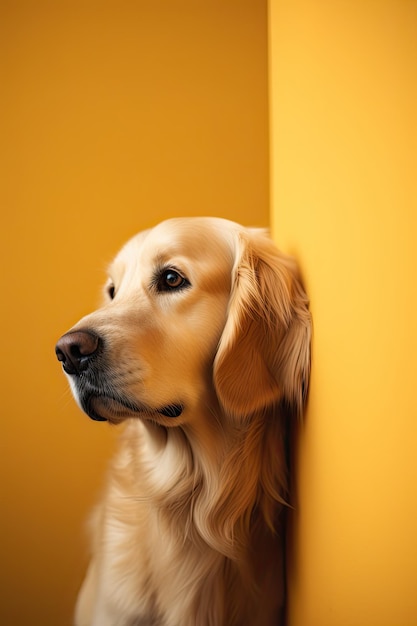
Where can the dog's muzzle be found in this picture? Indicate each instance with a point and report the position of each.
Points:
(76, 351)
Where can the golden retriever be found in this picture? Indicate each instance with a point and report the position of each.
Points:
(202, 348)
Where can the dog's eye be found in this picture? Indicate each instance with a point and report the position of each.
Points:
(171, 280)
(111, 291)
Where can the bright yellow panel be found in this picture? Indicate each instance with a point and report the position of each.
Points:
(343, 108)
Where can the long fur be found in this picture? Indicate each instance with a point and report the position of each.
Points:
(189, 531)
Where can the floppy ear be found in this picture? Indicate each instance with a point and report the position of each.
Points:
(264, 352)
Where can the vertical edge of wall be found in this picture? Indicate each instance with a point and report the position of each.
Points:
(343, 195)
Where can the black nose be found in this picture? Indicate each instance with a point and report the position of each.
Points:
(76, 349)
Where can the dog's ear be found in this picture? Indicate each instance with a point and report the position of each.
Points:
(264, 351)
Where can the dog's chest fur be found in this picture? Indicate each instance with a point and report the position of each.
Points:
(142, 548)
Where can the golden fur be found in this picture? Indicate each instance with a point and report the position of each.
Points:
(189, 531)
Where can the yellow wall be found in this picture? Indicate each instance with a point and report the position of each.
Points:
(113, 116)
(343, 106)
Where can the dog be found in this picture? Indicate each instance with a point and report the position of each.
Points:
(202, 350)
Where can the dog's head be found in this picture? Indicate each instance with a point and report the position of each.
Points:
(197, 312)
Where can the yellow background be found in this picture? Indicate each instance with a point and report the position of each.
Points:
(113, 116)
(116, 115)
(344, 177)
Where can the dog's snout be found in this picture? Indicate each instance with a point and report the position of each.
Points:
(76, 349)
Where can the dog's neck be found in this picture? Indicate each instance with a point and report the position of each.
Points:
(204, 474)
